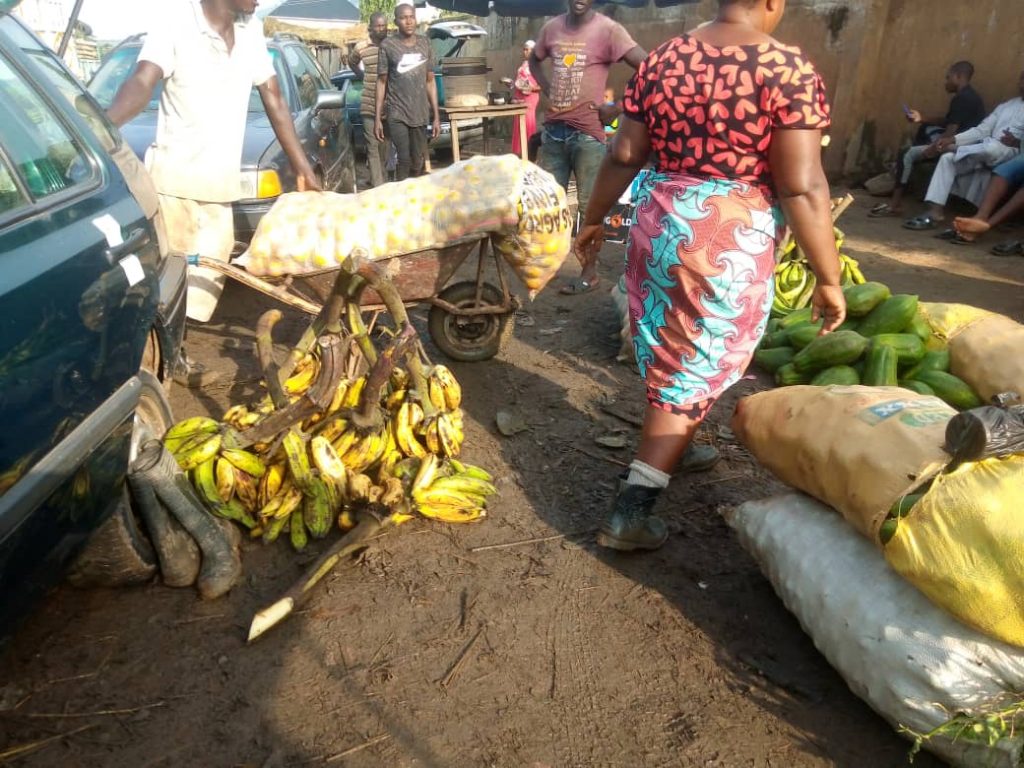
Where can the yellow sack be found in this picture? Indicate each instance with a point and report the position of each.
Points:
(505, 196)
(947, 320)
(989, 355)
(857, 449)
(962, 545)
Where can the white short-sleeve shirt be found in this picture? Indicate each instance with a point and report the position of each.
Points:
(201, 123)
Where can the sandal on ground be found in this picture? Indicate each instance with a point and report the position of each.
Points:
(882, 211)
(961, 240)
(948, 234)
(1009, 248)
(920, 223)
(576, 287)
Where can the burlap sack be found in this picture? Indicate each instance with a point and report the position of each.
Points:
(857, 449)
(989, 355)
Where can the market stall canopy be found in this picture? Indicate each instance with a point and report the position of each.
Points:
(339, 38)
(534, 7)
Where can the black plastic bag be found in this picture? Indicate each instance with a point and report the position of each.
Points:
(992, 431)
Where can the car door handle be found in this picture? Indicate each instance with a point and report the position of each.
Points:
(138, 238)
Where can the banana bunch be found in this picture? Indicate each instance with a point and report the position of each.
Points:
(324, 471)
(851, 271)
(450, 492)
(795, 282)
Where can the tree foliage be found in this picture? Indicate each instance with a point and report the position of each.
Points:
(369, 7)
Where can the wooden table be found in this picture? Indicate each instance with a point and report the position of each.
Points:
(486, 113)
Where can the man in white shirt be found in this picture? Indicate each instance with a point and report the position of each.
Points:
(209, 55)
(977, 150)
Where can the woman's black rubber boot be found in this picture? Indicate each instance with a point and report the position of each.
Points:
(631, 525)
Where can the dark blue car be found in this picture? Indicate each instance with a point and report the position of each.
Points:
(93, 316)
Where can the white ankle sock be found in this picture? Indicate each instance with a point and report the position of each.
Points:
(646, 475)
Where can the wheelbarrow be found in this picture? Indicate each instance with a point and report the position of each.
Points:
(469, 320)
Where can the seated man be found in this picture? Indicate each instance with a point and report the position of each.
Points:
(966, 110)
(995, 141)
(1007, 177)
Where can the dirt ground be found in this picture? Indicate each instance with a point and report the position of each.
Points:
(429, 652)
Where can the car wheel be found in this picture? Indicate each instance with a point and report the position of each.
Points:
(118, 553)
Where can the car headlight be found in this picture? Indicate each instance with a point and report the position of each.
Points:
(258, 185)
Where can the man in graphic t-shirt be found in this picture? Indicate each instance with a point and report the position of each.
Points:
(582, 45)
(407, 93)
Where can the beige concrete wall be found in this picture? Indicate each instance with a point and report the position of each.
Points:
(874, 56)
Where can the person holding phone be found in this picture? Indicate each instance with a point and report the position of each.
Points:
(966, 111)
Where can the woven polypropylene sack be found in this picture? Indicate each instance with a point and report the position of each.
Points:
(312, 231)
(947, 320)
(857, 449)
(911, 662)
(963, 546)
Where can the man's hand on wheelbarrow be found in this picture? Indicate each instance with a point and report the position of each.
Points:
(307, 181)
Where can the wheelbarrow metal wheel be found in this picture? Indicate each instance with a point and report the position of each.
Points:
(475, 338)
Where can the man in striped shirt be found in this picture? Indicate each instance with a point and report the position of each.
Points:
(364, 58)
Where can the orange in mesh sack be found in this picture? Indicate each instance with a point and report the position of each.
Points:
(522, 206)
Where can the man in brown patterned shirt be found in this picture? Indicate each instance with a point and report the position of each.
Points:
(364, 58)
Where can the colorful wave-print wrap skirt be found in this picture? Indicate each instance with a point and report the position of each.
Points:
(699, 274)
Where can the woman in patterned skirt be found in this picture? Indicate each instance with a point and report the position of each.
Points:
(734, 120)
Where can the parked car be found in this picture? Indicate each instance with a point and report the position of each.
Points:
(93, 318)
(266, 173)
(448, 39)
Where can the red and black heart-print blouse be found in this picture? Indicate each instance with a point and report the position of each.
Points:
(712, 111)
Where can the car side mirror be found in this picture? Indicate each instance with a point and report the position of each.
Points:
(329, 100)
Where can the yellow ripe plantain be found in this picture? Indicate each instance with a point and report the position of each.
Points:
(225, 475)
(450, 387)
(234, 415)
(446, 513)
(327, 460)
(426, 472)
(432, 438)
(435, 394)
(333, 429)
(449, 437)
(248, 462)
(354, 393)
(193, 457)
(246, 490)
(346, 520)
(300, 382)
(271, 482)
(289, 503)
(395, 399)
(402, 429)
(345, 442)
(338, 398)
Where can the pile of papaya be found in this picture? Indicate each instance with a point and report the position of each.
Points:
(884, 342)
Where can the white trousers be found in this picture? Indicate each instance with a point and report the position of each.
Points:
(204, 229)
(964, 161)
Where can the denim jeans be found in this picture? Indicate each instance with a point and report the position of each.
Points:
(565, 152)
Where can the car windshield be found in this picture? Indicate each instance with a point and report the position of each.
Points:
(117, 67)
